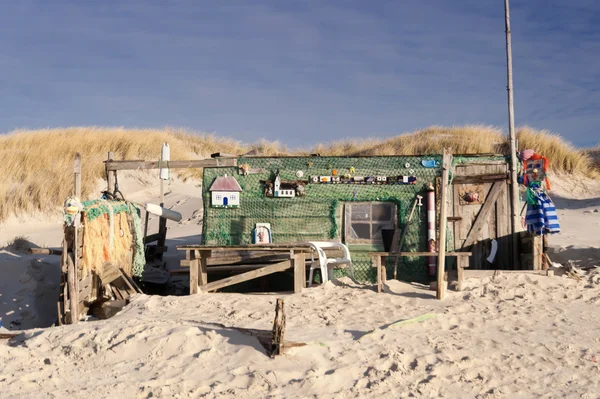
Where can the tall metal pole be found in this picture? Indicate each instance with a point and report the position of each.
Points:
(515, 197)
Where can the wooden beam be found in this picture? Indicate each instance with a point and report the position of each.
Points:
(226, 282)
(244, 259)
(481, 220)
(480, 179)
(441, 261)
(391, 255)
(197, 163)
(492, 273)
(283, 247)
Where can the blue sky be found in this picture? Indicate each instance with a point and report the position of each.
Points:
(302, 72)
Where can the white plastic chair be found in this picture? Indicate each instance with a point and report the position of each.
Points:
(326, 264)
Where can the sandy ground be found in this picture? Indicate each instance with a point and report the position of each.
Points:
(516, 336)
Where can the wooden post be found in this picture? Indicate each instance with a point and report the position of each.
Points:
(77, 173)
(299, 266)
(441, 265)
(376, 262)
(204, 255)
(278, 329)
(73, 294)
(194, 266)
(77, 193)
(109, 175)
(460, 270)
(538, 252)
(514, 190)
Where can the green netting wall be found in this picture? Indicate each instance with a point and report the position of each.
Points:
(319, 214)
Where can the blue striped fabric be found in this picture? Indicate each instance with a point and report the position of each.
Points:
(542, 218)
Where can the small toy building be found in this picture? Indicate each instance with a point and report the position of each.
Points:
(283, 191)
(225, 192)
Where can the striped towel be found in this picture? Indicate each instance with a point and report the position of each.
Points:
(541, 217)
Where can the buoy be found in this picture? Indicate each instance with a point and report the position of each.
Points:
(163, 212)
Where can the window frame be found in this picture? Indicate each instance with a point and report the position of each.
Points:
(370, 222)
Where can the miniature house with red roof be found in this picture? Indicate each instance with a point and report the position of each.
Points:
(225, 192)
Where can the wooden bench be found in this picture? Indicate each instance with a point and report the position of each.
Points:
(462, 262)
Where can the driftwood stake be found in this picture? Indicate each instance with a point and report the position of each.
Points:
(277, 344)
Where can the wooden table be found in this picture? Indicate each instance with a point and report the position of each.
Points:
(462, 261)
(198, 258)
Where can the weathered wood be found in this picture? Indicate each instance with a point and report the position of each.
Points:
(376, 262)
(133, 288)
(108, 272)
(492, 273)
(112, 165)
(278, 329)
(73, 294)
(295, 246)
(514, 187)
(203, 274)
(482, 217)
(85, 288)
(538, 252)
(77, 176)
(44, 251)
(391, 255)
(441, 261)
(226, 282)
(245, 259)
(460, 271)
(110, 180)
(194, 270)
(480, 179)
(299, 265)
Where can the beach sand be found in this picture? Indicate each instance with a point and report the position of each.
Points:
(513, 336)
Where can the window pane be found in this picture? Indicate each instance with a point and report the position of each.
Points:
(361, 231)
(376, 229)
(382, 212)
(360, 212)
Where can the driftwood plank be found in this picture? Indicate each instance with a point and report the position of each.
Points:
(108, 272)
(441, 261)
(198, 163)
(278, 329)
(226, 282)
(391, 255)
(482, 217)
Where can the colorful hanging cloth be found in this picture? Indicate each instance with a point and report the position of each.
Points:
(541, 215)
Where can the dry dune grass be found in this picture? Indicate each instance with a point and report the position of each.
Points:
(460, 140)
(37, 165)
